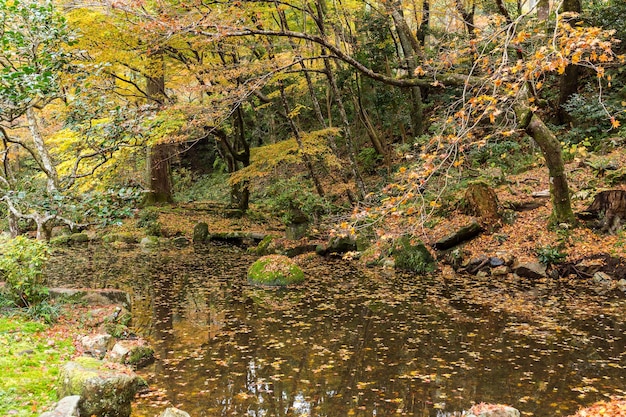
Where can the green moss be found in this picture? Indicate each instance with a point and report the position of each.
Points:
(412, 256)
(263, 248)
(29, 365)
(140, 355)
(275, 270)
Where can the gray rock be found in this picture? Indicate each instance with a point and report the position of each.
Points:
(201, 232)
(495, 261)
(66, 407)
(135, 353)
(602, 279)
(621, 284)
(590, 266)
(462, 235)
(96, 345)
(180, 241)
(500, 270)
(532, 270)
(103, 392)
(149, 242)
(507, 257)
(174, 412)
(492, 410)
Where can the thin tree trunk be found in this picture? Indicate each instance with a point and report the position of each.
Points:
(52, 179)
(296, 132)
(412, 50)
(569, 80)
(358, 180)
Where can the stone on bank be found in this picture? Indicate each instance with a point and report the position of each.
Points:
(103, 392)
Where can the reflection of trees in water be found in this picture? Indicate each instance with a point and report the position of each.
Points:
(343, 342)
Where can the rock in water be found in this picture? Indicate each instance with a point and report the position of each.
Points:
(493, 410)
(276, 271)
(174, 412)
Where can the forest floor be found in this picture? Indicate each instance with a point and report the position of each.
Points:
(520, 236)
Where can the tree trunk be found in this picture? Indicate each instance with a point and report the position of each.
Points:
(569, 80)
(159, 157)
(411, 49)
(160, 154)
(47, 166)
(552, 153)
(328, 71)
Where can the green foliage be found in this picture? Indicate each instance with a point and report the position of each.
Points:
(149, 220)
(369, 160)
(188, 186)
(591, 120)
(22, 263)
(292, 196)
(111, 206)
(550, 255)
(33, 47)
(505, 154)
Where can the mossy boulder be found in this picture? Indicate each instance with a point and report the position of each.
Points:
(135, 353)
(275, 270)
(124, 237)
(79, 238)
(201, 233)
(149, 242)
(104, 392)
(412, 255)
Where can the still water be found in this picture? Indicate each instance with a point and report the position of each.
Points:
(350, 342)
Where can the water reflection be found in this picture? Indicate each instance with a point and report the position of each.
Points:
(347, 343)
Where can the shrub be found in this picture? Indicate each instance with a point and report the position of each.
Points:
(149, 220)
(22, 262)
(550, 255)
(295, 196)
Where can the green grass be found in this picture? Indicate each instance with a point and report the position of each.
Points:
(29, 365)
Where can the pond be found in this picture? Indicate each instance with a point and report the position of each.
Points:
(351, 341)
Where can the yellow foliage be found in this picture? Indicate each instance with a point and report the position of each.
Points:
(265, 159)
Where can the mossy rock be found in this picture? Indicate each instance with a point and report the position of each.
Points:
(79, 238)
(201, 232)
(264, 246)
(149, 242)
(103, 391)
(62, 240)
(412, 256)
(275, 271)
(124, 237)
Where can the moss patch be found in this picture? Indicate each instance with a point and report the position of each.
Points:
(29, 363)
(275, 270)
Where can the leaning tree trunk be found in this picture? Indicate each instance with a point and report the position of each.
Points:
(553, 155)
